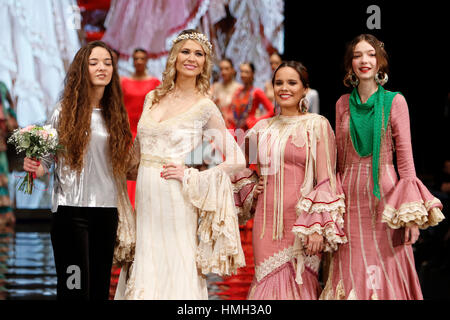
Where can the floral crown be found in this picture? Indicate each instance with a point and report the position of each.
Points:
(194, 36)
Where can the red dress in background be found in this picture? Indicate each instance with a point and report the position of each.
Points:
(134, 92)
(241, 113)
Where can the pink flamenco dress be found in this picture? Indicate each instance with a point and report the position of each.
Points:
(373, 264)
(296, 156)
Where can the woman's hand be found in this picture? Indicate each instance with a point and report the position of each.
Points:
(173, 171)
(31, 165)
(411, 234)
(314, 244)
(259, 188)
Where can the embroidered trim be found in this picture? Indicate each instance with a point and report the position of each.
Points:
(422, 214)
(244, 213)
(237, 186)
(273, 262)
(281, 257)
(329, 230)
(312, 263)
(157, 162)
(310, 206)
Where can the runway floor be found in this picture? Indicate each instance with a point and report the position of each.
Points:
(27, 270)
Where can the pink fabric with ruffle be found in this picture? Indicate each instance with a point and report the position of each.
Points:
(314, 209)
(281, 285)
(410, 202)
(410, 190)
(369, 266)
(275, 274)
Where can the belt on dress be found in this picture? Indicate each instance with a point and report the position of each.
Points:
(148, 160)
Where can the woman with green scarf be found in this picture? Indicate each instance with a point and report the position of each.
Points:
(7, 124)
(384, 213)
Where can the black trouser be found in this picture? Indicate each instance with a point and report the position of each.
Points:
(83, 246)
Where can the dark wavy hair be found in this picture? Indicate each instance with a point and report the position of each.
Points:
(297, 66)
(75, 119)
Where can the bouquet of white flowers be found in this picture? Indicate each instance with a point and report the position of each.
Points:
(35, 141)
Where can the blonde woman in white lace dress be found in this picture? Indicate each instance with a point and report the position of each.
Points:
(186, 223)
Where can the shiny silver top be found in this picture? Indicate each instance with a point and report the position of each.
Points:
(95, 185)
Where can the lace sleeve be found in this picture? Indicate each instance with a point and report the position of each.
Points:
(211, 193)
(216, 132)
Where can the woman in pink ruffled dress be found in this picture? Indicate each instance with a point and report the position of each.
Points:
(299, 212)
(383, 214)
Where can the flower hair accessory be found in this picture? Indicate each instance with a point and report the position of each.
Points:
(194, 36)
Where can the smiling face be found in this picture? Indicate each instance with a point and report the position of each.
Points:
(364, 62)
(190, 59)
(288, 87)
(100, 67)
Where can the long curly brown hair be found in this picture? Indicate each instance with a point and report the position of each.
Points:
(75, 119)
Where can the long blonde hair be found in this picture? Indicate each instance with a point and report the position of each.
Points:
(169, 75)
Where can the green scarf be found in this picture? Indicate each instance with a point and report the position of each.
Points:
(367, 120)
(3, 93)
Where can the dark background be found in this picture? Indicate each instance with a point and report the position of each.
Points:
(415, 35)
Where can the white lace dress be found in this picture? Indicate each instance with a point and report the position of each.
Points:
(183, 230)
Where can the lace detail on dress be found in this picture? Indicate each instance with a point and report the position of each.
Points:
(244, 213)
(219, 250)
(126, 228)
(273, 262)
(241, 183)
(308, 205)
(281, 257)
(330, 224)
(413, 213)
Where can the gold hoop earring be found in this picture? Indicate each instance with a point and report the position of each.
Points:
(353, 79)
(303, 105)
(381, 81)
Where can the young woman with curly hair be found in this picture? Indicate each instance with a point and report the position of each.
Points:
(89, 183)
(385, 205)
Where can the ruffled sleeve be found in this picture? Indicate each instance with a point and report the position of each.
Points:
(410, 202)
(321, 210)
(245, 181)
(126, 227)
(134, 160)
(210, 192)
(244, 184)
